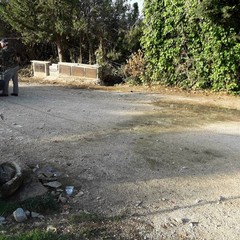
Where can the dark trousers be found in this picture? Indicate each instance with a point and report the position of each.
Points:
(11, 73)
(2, 84)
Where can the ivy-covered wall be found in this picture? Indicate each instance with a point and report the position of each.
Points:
(185, 48)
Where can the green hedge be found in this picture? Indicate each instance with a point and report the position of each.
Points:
(186, 49)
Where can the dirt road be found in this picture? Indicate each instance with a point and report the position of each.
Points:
(168, 161)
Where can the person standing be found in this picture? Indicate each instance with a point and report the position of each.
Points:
(9, 62)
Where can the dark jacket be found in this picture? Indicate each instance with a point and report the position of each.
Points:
(8, 58)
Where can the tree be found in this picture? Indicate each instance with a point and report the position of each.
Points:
(222, 12)
(41, 21)
(77, 29)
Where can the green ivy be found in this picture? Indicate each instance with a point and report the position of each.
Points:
(186, 49)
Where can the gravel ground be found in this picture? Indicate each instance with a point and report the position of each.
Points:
(167, 160)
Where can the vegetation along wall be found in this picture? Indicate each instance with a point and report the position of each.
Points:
(193, 43)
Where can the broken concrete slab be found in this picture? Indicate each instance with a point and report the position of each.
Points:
(14, 176)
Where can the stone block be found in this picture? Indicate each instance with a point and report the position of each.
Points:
(40, 68)
(78, 71)
(91, 73)
(65, 70)
(53, 70)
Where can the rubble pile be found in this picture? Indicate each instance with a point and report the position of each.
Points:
(19, 182)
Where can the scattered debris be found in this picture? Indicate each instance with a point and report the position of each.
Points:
(185, 220)
(69, 190)
(79, 194)
(138, 203)
(51, 228)
(221, 198)
(194, 224)
(183, 168)
(62, 199)
(34, 182)
(36, 215)
(170, 223)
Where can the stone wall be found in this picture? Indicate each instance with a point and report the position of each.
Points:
(78, 70)
(75, 70)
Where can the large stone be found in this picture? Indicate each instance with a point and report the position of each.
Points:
(31, 188)
(20, 215)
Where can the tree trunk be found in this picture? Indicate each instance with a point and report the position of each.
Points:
(90, 53)
(60, 50)
(102, 49)
(80, 59)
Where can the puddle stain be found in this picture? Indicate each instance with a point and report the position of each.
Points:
(203, 112)
(173, 118)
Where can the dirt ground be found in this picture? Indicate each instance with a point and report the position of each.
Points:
(168, 160)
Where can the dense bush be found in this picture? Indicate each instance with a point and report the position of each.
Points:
(135, 67)
(184, 47)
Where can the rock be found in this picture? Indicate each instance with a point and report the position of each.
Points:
(28, 213)
(221, 198)
(185, 220)
(62, 199)
(59, 190)
(19, 215)
(45, 179)
(194, 224)
(2, 220)
(35, 215)
(138, 203)
(48, 174)
(31, 188)
(40, 216)
(79, 194)
(54, 184)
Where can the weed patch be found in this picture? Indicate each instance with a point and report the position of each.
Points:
(36, 235)
(41, 204)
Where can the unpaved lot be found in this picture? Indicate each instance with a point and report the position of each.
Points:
(168, 161)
